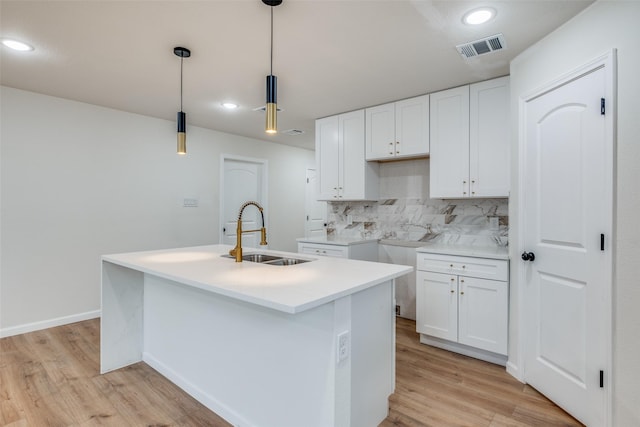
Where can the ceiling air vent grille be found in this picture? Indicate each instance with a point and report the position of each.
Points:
(482, 46)
(293, 132)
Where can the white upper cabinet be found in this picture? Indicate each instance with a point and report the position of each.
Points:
(470, 141)
(343, 173)
(489, 138)
(449, 160)
(398, 129)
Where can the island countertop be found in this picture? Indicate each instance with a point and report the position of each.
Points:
(290, 289)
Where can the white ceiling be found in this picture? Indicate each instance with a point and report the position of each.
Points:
(330, 56)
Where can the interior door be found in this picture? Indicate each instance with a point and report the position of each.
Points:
(568, 203)
(242, 182)
(315, 224)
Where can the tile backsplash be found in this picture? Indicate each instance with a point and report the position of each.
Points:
(405, 212)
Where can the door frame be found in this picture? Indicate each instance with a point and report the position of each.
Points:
(264, 163)
(306, 200)
(608, 61)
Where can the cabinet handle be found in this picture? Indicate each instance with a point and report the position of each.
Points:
(462, 293)
(461, 280)
(451, 265)
(391, 143)
(464, 266)
(452, 279)
(453, 291)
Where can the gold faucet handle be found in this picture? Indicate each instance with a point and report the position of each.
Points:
(263, 236)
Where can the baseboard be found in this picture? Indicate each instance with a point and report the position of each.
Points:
(513, 370)
(476, 353)
(45, 324)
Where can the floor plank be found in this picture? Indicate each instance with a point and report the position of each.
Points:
(51, 378)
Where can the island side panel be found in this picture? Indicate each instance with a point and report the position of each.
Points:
(372, 354)
(121, 327)
(251, 365)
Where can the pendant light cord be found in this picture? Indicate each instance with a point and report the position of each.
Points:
(181, 60)
(271, 62)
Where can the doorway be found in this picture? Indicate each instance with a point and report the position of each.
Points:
(566, 206)
(242, 179)
(315, 224)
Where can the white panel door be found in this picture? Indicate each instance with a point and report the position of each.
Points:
(568, 202)
(242, 182)
(315, 224)
(437, 305)
(449, 141)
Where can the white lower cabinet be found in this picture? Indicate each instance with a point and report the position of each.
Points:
(366, 251)
(462, 312)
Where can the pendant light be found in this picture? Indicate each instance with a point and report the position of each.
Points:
(272, 82)
(182, 52)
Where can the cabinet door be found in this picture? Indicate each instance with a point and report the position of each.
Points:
(358, 177)
(412, 127)
(489, 138)
(483, 314)
(327, 157)
(380, 133)
(449, 140)
(437, 305)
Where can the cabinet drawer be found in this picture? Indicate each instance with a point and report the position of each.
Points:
(483, 268)
(323, 250)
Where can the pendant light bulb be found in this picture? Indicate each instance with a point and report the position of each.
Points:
(181, 120)
(271, 125)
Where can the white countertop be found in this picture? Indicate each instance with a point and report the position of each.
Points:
(338, 241)
(290, 289)
(493, 252)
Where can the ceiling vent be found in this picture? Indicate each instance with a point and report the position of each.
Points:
(293, 132)
(482, 46)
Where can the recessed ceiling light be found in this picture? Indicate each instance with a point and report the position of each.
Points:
(16, 45)
(230, 105)
(479, 16)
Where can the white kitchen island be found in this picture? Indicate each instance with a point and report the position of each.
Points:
(310, 344)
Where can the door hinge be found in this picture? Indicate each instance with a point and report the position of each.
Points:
(602, 106)
(601, 379)
(307, 217)
(307, 180)
(602, 242)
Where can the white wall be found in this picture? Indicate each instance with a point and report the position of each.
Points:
(601, 27)
(79, 181)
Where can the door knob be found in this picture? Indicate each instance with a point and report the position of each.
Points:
(528, 256)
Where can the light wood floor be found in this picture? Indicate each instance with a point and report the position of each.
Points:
(51, 378)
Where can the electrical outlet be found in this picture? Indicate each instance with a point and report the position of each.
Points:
(190, 202)
(343, 346)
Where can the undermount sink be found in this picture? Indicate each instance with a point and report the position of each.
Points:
(270, 259)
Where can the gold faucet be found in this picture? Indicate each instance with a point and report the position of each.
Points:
(237, 251)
